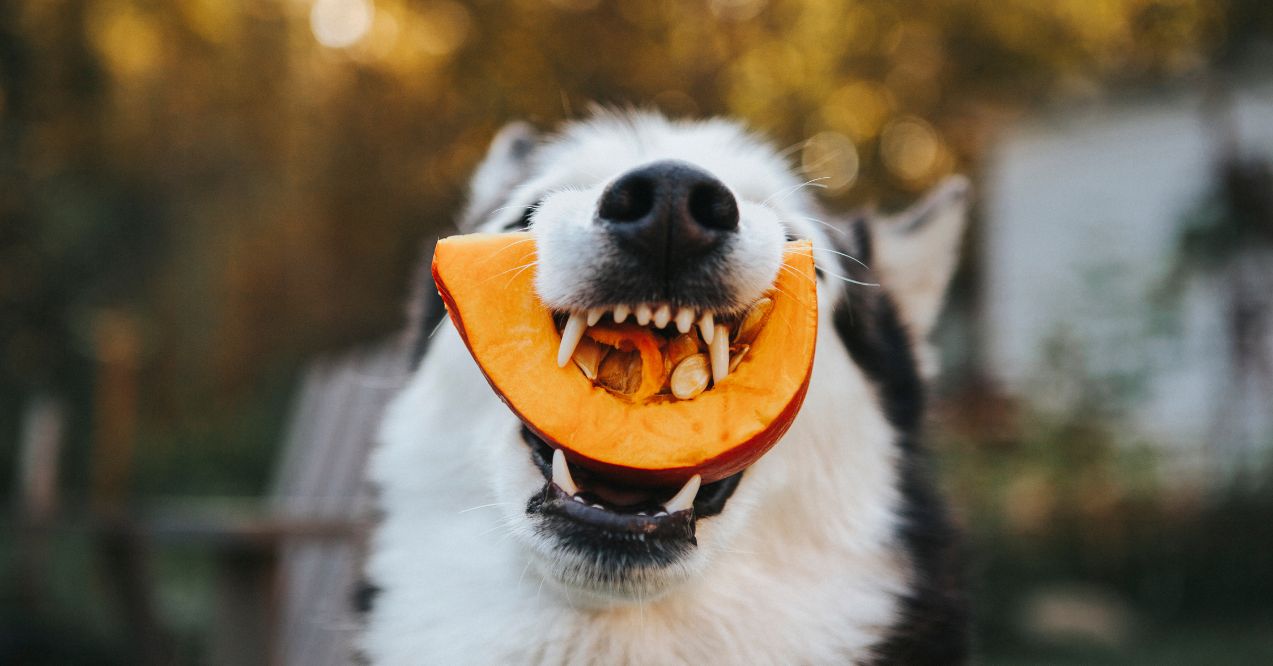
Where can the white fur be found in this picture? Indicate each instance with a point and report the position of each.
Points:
(800, 568)
(573, 171)
(916, 254)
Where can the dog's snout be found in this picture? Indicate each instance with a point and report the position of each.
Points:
(668, 211)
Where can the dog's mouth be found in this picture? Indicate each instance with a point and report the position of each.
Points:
(613, 513)
(697, 348)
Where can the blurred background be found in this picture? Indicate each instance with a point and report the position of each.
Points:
(211, 212)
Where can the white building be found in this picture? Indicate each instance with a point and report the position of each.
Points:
(1083, 212)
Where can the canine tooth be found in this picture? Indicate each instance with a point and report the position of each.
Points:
(643, 513)
(707, 326)
(570, 336)
(684, 320)
(561, 474)
(719, 349)
(662, 316)
(621, 312)
(643, 314)
(660, 512)
(684, 498)
(594, 315)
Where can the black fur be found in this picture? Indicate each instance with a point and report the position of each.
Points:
(628, 278)
(933, 626)
(615, 552)
(364, 596)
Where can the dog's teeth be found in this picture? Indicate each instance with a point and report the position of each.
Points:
(643, 513)
(578, 499)
(663, 316)
(643, 314)
(621, 313)
(719, 348)
(660, 512)
(707, 326)
(597, 506)
(570, 336)
(594, 315)
(684, 320)
(684, 499)
(561, 473)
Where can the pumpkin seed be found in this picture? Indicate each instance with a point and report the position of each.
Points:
(620, 372)
(680, 348)
(690, 377)
(754, 321)
(588, 356)
(736, 354)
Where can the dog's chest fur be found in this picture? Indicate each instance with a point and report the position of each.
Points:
(818, 577)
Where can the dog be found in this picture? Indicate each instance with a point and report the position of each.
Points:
(833, 548)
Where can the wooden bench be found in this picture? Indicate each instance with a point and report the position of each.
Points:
(287, 572)
(321, 477)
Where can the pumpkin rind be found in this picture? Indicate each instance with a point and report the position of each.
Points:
(487, 283)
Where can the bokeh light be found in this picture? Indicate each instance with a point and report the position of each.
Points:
(911, 150)
(858, 109)
(831, 160)
(340, 23)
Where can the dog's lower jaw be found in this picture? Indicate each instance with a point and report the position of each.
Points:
(594, 580)
(576, 585)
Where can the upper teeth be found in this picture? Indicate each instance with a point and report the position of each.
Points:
(719, 348)
(685, 319)
(661, 314)
(570, 337)
(707, 326)
(682, 500)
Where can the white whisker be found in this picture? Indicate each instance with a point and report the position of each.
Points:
(788, 191)
(485, 506)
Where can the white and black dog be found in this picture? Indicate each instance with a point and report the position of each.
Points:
(832, 548)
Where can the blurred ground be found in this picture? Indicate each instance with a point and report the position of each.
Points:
(199, 196)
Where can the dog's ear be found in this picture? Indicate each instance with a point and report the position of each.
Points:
(506, 164)
(915, 254)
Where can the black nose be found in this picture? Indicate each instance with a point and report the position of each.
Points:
(667, 212)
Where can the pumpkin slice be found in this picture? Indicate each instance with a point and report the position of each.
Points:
(632, 427)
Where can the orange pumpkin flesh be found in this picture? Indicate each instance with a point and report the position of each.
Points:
(487, 282)
(625, 336)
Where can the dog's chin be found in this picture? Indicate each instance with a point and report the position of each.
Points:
(585, 579)
(608, 545)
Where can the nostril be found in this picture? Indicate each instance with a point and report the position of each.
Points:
(711, 205)
(628, 199)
